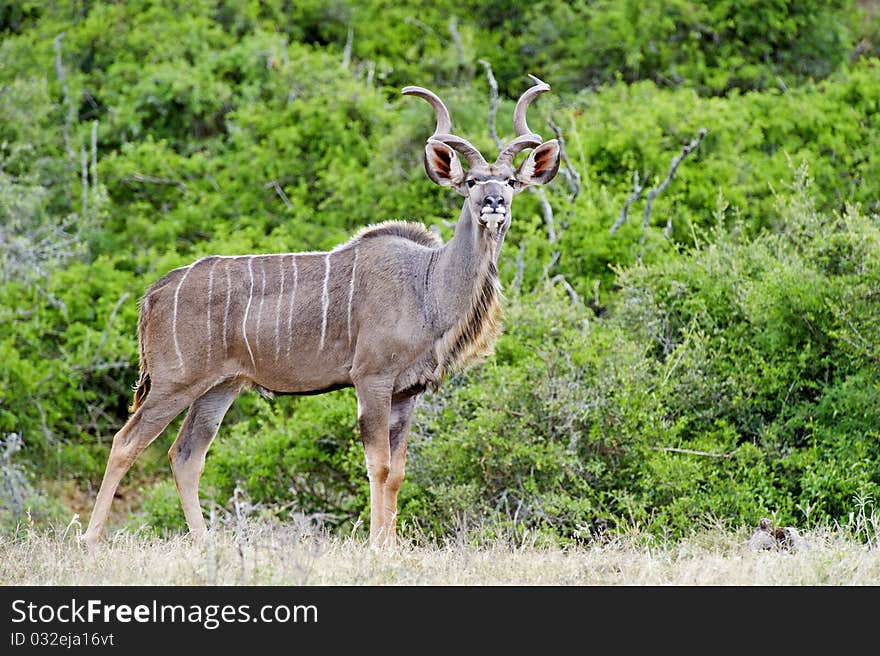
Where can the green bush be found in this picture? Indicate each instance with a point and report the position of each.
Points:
(754, 145)
(299, 457)
(22, 504)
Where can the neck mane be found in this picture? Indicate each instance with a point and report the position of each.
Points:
(467, 297)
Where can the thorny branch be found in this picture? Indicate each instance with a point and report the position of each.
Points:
(633, 197)
(520, 266)
(493, 103)
(62, 78)
(31, 256)
(653, 193)
(456, 39)
(278, 190)
(85, 181)
(346, 52)
(692, 452)
(107, 327)
(572, 294)
(139, 177)
(424, 26)
(554, 260)
(572, 177)
(95, 155)
(547, 211)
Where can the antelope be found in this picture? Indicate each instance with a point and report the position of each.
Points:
(391, 313)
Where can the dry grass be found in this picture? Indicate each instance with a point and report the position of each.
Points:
(301, 554)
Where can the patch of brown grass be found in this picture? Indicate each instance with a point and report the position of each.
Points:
(300, 553)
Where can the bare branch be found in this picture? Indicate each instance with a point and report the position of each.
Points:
(572, 294)
(139, 177)
(101, 366)
(85, 181)
(678, 159)
(572, 177)
(61, 74)
(633, 197)
(43, 423)
(520, 267)
(278, 190)
(672, 449)
(549, 221)
(107, 327)
(493, 103)
(554, 259)
(29, 252)
(594, 304)
(95, 155)
(346, 52)
(424, 26)
(547, 211)
(653, 193)
(456, 39)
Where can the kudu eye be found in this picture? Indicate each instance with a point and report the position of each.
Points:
(471, 183)
(512, 182)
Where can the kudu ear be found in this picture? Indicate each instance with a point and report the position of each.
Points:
(541, 165)
(442, 165)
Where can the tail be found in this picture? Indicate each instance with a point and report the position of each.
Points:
(143, 386)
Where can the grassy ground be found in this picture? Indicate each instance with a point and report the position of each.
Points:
(300, 554)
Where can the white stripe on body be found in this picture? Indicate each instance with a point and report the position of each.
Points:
(260, 308)
(278, 308)
(226, 311)
(174, 319)
(210, 296)
(292, 301)
(247, 309)
(325, 300)
(351, 290)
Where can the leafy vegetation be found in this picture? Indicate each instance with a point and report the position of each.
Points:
(727, 371)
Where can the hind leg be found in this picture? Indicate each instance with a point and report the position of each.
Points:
(188, 452)
(140, 430)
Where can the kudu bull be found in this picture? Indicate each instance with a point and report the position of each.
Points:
(390, 312)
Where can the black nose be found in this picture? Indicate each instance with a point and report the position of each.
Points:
(493, 201)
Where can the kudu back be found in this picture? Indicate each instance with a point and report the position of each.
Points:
(390, 312)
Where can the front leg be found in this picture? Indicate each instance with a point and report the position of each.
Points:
(374, 411)
(401, 416)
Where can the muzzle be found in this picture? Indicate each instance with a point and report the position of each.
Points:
(493, 214)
